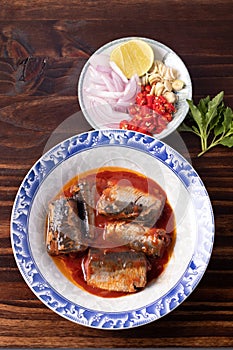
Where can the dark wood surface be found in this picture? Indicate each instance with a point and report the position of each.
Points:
(43, 47)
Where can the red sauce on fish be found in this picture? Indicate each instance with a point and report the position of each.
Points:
(72, 265)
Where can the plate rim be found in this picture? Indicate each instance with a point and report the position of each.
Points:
(142, 141)
(165, 132)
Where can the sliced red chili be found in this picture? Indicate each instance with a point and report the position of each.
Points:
(150, 100)
(150, 114)
(124, 124)
(133, 110)
(168, 116)
(147, 88)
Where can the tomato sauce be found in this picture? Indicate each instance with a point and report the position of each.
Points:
(72, 265)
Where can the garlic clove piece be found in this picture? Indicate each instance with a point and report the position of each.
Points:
(170, 96)
(177, 85)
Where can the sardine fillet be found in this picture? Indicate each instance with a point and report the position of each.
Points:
(126, 202)
(83, 193)
(121, 271)
(151, 241)
(63, 228)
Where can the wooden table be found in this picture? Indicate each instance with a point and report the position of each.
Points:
(43, 47)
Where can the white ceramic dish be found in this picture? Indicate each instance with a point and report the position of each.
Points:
(163, 53)
(186, 194)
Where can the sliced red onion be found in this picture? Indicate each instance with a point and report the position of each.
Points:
(101, 109)
(104, 94)
(109, 91)
(118, 116)
(93, 73)
(124, 103)
(104, 115)
(118, 82)
(103, 69)
(108, 82)
(131, 89)
(101, 87)
(118, 71)
(99, 60)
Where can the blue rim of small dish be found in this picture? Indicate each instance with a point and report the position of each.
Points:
(129, 318)
(167, 51)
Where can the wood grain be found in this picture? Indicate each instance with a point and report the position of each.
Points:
(43, 48)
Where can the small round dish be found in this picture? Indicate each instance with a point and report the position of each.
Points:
(152, 158)
(161, 53)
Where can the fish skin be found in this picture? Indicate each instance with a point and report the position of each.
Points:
(63, 228)
(71, 221)
(84, 194)
(126, 202)
(121, 271)
(151, 241)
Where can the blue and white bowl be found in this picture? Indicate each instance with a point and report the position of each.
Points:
(151, 157)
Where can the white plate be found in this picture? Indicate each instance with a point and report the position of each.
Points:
(151, 157)
(162, 53)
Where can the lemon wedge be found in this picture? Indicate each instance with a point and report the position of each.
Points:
(133, 57)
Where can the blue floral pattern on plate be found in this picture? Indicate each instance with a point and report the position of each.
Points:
(88, 316)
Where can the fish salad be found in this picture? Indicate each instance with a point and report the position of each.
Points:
(111, 231)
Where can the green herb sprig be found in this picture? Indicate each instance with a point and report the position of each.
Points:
(213, 122)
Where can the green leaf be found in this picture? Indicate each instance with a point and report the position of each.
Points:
(185, 127)
(221, 108)
(203, 105)
(214, 121)
(228, 117)
(231, 128)
(227, 141)
(195, 130)
(211, 121)
(218, 129)
(212, 108)
(196, 114)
